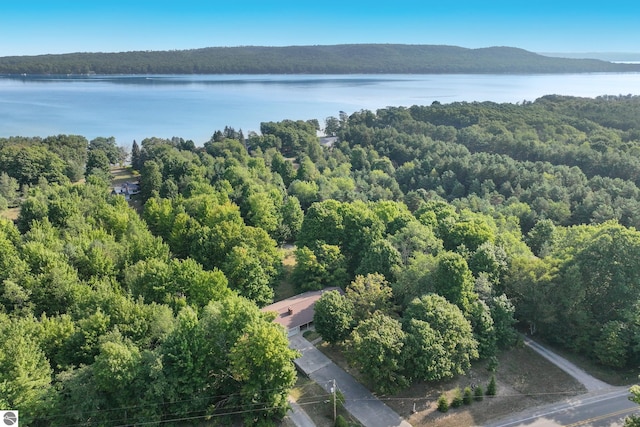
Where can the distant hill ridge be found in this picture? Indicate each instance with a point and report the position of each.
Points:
(333, 59)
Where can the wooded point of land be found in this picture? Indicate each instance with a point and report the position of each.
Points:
(333, 59)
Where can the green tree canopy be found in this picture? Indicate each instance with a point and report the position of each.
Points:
(25, 373)
(453, 280)
(440, 341)
(319, 268)
(369, 294)
(333, 317)
(376, 348)
(98, 164)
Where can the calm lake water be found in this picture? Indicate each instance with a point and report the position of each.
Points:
(193, 107)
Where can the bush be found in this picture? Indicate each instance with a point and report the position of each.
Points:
(341, 422)
(443, 403)
(467, 397)
(478, 393)
(340, 399)
(457, 398)
(492, 388)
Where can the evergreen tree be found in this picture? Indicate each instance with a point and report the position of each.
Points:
(458, 400)
(467, 397)
(492, 387)
(443, 403)
(136, 156)
(478, 393)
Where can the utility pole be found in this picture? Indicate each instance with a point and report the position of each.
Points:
(333, 391)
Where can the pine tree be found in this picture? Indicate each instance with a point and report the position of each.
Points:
(492, 388)
(136, 160)
(467, 397)
(443, 403)
(478, 393)
(457, 398)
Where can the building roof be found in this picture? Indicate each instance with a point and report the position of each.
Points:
(328, 141)
(301, 307)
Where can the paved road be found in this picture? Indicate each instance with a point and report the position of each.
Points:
(360, 403)
(600, 410)
(603, 405)
(298, 416)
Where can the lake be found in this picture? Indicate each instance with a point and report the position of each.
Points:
(194, 106)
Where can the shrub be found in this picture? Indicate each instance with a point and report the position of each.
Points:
(467, 398)
(340, 399)
(457, 398)
(492, 388)
(478, 393)
(341, 422)
(443, 403)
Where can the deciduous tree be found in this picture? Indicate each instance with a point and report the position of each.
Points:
(98, 164)
(246, 275)
(333, 317)
(440, 342)
(25, 373)
(369, 294)
(262, 364)
(376, 348)
(453, 280)
(150, 180)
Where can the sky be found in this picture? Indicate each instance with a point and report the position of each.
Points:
(43, 26)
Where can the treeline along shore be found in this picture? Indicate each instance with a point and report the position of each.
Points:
(334, 59)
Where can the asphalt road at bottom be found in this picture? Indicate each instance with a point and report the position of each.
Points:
(601, 410)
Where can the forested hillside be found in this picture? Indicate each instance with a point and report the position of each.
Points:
(335, 59)
(446, 225)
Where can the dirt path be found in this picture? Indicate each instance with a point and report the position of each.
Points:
(591, 384)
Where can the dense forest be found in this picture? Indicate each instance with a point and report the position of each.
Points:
(333, 59)
(449, 227)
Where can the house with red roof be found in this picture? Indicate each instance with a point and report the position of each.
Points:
(296, 313)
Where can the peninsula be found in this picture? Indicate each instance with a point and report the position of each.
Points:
(333, 59)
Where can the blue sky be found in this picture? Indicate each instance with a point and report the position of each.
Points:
(40, 27)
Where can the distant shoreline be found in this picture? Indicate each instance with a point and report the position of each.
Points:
(322, 60)
(615, 57)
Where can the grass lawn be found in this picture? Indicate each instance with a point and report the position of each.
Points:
(285, 288)
(524, 380)
(122, 175)
(11, 213)
(311, 335)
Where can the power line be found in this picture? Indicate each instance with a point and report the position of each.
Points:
(236, 408)
(200, 417)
